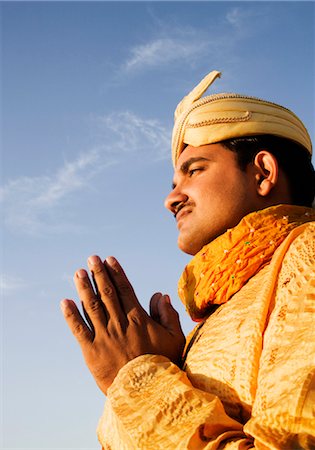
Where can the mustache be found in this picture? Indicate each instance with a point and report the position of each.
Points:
(180, 206)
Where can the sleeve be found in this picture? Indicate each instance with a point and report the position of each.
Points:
(152, 405)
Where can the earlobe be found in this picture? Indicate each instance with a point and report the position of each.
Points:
(267, 172)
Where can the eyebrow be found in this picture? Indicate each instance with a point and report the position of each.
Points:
(184, 168)
(186, 165)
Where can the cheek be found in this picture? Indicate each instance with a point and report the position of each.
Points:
(220, 187)
(226, 195)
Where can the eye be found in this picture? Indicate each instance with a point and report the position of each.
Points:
(191, 172)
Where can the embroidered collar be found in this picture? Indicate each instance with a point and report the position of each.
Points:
(222, 267)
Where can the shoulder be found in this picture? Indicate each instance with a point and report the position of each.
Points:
(298, 264)
(302, 245)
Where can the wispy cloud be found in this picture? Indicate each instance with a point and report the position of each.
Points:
(235, 16)
(131, 134)
(29, 202)
(35, 205)
(163, 51)
(10, 284)
(67, 179)
(246, 20)
(189, 46)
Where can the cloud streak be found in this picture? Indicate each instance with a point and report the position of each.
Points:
(189, 46)
(247, 20)
(10, 284)
(131, 134)
(162, 51)
(35, 205)
(29, 202)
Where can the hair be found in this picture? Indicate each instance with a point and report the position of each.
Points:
(293, 159)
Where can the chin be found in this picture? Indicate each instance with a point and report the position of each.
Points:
(190, 247)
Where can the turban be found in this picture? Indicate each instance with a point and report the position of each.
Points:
(215, 118)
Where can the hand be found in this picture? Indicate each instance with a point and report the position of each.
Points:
(118, 329)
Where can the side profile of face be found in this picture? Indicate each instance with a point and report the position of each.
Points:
(210, 194)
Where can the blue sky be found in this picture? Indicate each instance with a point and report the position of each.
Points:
(88, 95)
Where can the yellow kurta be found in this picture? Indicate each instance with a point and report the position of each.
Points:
(248, 379)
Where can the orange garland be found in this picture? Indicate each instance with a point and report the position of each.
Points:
(222, 267)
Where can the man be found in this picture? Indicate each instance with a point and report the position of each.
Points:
(246, 378)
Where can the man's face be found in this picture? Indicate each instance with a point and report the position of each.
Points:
(211, 194)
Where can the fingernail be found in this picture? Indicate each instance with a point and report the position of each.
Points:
(65, 304)
(94, 260)
(167, 299)
(110, 260)
(81, 273)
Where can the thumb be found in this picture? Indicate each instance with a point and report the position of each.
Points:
(168, 316)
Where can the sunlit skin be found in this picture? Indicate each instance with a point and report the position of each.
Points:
(210, 195)
(117, 329)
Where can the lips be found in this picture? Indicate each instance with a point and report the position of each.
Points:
(182, 213)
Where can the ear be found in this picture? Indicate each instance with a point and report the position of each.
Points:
(267, 172)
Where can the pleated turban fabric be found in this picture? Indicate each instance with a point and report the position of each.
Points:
(214, 118)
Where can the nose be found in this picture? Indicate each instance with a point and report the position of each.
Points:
(174, 198)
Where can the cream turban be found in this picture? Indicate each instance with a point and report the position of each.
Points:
(214, 118)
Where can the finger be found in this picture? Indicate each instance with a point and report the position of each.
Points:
(106, 290)
(75, 322)
(92, 305)
(154, 311)
(88, 319)
(168, 316)
(126, 294)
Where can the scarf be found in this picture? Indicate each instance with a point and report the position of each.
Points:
(222, 267)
